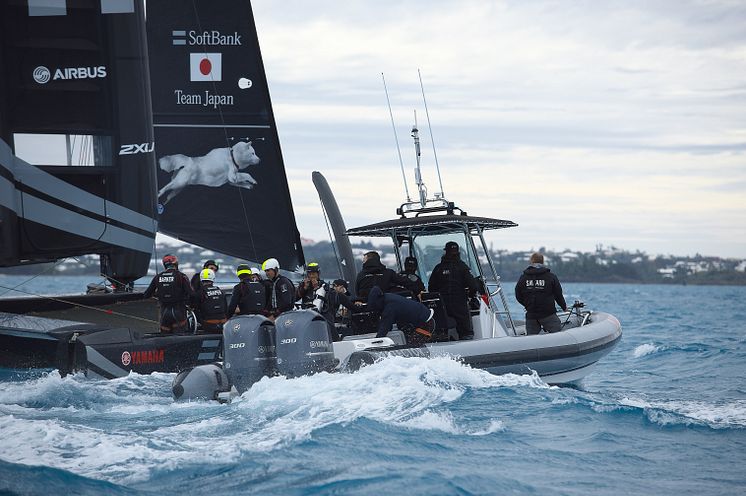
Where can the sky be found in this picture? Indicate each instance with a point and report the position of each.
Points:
(585, 122)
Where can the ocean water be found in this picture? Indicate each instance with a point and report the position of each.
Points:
(664, 413)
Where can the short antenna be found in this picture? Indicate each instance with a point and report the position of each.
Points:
(432, 140)
(398, 149)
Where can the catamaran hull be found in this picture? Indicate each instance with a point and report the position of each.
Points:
(33, 342)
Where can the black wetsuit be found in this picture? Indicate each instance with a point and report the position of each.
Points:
(173, 291)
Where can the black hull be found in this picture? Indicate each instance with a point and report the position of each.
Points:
(106, 336)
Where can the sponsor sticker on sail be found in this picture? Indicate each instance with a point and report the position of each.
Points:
(205, 67)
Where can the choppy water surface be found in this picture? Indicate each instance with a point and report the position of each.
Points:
(665, 412)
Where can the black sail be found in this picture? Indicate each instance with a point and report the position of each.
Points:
(76, 70)
(221, 178)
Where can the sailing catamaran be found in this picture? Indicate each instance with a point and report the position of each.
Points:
(201, 163)
(204, 151)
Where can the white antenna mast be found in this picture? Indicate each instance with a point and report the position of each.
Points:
(432, 140)
(417, 172)
(398, 149)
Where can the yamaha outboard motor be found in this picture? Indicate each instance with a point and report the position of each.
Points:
(204, 382)
(248, 350)
(304, 344)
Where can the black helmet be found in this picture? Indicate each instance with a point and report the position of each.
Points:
(210, 262)
(243, 269)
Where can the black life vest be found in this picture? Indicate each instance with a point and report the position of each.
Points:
(212, 303)
(169, 289)
(253, 297)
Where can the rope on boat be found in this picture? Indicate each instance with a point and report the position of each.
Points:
(89, 307)
(8, 290)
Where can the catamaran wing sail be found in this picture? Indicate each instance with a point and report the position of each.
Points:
(76, 141)
(221, 178)
(337, 224)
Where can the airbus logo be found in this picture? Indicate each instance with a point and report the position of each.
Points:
(137, 148)
(43, 75)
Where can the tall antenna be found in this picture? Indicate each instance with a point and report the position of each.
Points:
(432, 140)
(417, 171)
(398, 149)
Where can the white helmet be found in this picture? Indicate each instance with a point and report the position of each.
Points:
(271, 263)
(256, 271)
(207, 275)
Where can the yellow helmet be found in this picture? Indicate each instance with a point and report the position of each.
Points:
(243, 269)
(207, 275)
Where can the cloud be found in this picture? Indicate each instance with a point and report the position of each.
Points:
(585, 122)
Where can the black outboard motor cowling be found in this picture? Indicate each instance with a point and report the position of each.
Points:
(248, 350)
(304, 344)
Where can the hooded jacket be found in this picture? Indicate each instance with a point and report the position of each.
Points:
(374, 273)
(537, 289)
(396, 309)
(452, 277)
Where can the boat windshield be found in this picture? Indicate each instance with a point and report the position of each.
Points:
(428, 248)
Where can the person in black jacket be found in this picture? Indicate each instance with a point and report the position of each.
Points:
(396, 309)
(249, 296)
(410, 272)
(281, 297)
(173, 291)
(209, 303)
(537, 289)
(310, 284)
(374, 273)
(196, 282)
(452, 278)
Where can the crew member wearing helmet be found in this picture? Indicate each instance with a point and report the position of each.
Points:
(196, 278)
(310, 284)
(452, 278)
(173, 291)
(281, 289)
(249, 295)
(209, 303)
(410, 272)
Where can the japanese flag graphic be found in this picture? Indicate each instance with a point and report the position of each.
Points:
(205, 67)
